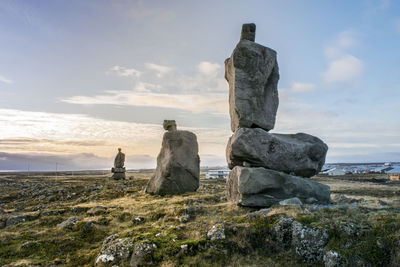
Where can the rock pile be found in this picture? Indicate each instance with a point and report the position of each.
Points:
(178, 164)
(267, 168)
(119, 170)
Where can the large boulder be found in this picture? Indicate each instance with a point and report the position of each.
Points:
(301, 154)
(260, 187)
(178, 165)
(252, 73)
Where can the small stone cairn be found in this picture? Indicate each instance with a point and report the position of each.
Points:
(178, 164)
(119, 170)
(266, 168)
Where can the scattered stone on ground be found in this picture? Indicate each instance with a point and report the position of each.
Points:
(142, 254)
(294, 201)
(217, 232)
(15, 219)
(69, 223)
(114, 250)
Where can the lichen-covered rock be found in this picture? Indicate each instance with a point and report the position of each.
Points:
(307, 242)
(142, 254)
(114, 250)
(260, 187)
(217, 232)
(252, 73)
(332, 259)
(178, 165)
(301, 154)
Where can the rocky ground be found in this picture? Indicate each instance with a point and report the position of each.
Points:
(91, 220)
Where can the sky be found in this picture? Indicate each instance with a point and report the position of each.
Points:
(80, 78)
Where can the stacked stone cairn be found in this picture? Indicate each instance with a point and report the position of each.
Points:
(178, 164)
(266, 167)
(119, 170)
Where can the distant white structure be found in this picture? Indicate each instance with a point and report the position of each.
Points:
(217, 174)
(335, 171)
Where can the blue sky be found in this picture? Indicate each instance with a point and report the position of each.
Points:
(80, 78)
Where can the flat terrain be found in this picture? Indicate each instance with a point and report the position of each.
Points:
(32, 207)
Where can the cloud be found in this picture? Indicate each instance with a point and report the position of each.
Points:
(159, 69)
(25, 132)
(212, 103)
(5, 80)
(123, 71)
(209, 68)
(344, 41)
(345, 68)
(302, 87)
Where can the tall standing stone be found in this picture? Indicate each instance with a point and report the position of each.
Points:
(178, 164)
(252, 73)
(119, 170)
(266, 167)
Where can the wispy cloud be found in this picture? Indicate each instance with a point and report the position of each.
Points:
(159, 69)
(124, 72)
(6, 80)
(302, 87)
(345, 68)
(208, 68)
(213, 103)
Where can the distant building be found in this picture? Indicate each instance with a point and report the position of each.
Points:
(335, 171)
(394, 175)
(217, 174)
(382, 169)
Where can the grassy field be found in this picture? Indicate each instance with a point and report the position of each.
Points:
(104, 207)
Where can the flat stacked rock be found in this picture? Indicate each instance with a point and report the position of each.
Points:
(178, 164)
(267, 168)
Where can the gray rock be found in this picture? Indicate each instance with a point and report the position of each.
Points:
(258, 213)
(69, 223)
(217, 232)
(169, 125)
(301, 154)
(248, 32)
(311, 200)
(16, 219)
(142, 254)
(178, 165)
(262, 187)
(114, 250)
(294, 201)
(252, 73)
